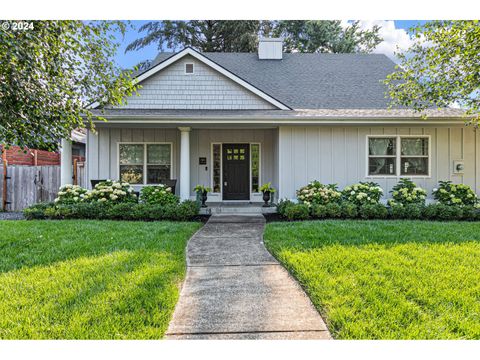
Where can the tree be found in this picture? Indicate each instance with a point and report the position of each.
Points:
(440, 69)
(49, 75)
(242, 36)
(310, 36)
(204, 35)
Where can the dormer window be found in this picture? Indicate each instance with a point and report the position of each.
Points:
(188, 68)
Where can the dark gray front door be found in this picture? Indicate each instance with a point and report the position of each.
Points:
(236, 169)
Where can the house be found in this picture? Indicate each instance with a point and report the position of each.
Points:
(233, 121)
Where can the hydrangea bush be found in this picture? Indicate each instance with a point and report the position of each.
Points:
(316, 193)
(110, 191)
(363, 193)
(158, 195)
(455, 194)
(407, 192)
(71, 194)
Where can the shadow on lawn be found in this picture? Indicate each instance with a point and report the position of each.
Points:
(315, 234)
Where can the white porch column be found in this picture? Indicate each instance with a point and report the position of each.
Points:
(66, 162)
(184, 163)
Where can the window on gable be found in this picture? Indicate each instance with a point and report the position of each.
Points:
(189, 68)
(398, 156)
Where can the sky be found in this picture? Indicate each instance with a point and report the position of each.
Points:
(394, 32)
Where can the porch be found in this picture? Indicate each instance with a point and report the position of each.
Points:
(225, 207)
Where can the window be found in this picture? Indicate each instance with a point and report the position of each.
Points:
(398, 156)
(255, 165)
(216, 168)
(188, 68)
(145, 163)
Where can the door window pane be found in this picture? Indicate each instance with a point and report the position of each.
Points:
(255, 156)
(216, 167)
(131, 154)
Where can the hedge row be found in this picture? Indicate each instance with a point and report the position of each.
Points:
(347, 210)
(184, 211)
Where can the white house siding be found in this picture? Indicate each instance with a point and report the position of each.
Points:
(171, 88)
(200, 146)
(338, 155)
(102, 148)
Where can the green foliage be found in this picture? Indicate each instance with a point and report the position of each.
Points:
(408, 211)
(310, 36)
(363, 193)
(158, 194)
(443, 212)
(200, 189)
(297, 212)
(71, 194)
(84, 279)
(267, 188)
(318, 211)
(184, 211)
(407, 192)
(241, 36)
(333, 210)
(51, 74)
(386, 279)
(111, 192)
(440, 69)
(317, 193)
(282, 205)
(373, 211)
(454, 194)
(349, 210)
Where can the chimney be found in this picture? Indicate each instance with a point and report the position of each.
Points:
(270, 48)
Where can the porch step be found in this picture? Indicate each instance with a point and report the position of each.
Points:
(238, 208)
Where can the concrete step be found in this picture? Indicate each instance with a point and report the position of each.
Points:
(237, 210)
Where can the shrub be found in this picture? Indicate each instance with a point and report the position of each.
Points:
(111, 192)
(318, 211)
(184, 211)
(407, 192)
(282, 205)
(297, 212)
(471, 213)
(37, 211)
(454, 194)
(363, 193)
(158, 194)
(333, 210)
(349, 210)
(409, 211)
(373, 211)
(71, 194)
(317, 193)
(442, 212)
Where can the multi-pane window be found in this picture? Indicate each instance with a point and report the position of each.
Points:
(398, 156)
(216, 166)
(255, 164)
(145, 163)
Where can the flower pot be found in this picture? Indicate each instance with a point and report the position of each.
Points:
(266, 198)
(203, 199)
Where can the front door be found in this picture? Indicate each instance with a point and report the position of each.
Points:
(236, 169)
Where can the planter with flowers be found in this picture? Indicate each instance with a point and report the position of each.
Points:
(267, 191)
(202, 193)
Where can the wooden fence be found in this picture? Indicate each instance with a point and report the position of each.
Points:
(27, 185)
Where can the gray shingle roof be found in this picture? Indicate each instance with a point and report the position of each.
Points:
(312, 81)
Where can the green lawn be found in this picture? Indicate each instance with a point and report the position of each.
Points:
(386, 279)
(90, 279)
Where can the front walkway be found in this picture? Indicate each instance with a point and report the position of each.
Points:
(235, 289)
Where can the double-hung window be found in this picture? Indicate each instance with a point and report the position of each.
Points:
(145, 163)
(398, 156)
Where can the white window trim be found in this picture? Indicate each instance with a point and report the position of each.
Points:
(185, 68)
(144, 143)
(398, 157)
(221, 168)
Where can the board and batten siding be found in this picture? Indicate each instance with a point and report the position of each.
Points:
(102, 149)
(339, 155)
(206, 88)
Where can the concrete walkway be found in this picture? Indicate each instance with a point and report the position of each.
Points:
(235, 289)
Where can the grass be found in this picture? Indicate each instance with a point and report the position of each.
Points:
(386, 279)
(90, 279)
